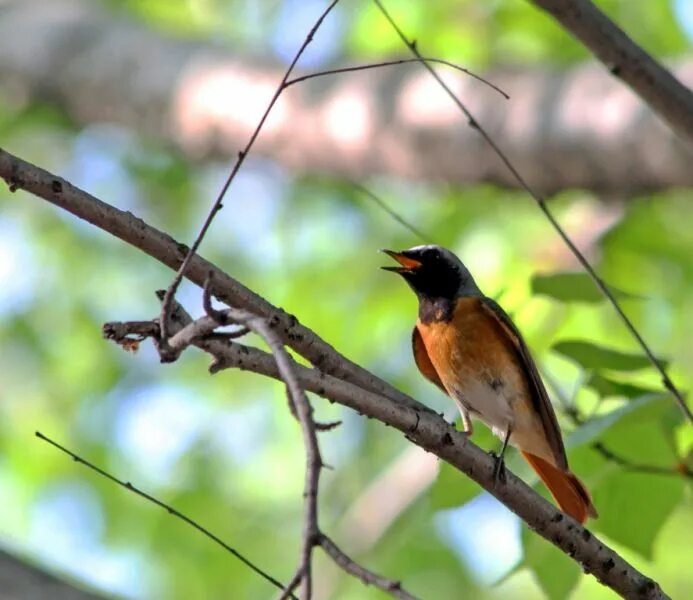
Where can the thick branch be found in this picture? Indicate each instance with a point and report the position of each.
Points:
(665, 94)
(421, 425)
(431, 432)
(20, 174)
(578, 128)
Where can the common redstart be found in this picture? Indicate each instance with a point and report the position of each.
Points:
(467, 345)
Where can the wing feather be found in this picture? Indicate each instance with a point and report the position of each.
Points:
(540, 398)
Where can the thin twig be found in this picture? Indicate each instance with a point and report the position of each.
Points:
(314, 462)
(394, 588)
(186, 332)
(217, 205)
(291, 586)
(303, 411)
(541, 202)
(396, 216)
(251, 322)
(167, 507)
(389, 63)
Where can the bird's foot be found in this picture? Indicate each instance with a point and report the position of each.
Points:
(498, 468)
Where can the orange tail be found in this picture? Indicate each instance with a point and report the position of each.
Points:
(567, 490)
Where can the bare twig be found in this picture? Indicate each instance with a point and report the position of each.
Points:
(390, 63)
(217, 205)
(314, 464)
(665, 94)
(303, 411)
(541, 203)
(338, 379)
(355, 569)
(251, 322)
(167, 507)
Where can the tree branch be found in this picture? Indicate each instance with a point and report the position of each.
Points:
(656, 85)
(217, 204)
(573, 128)
(20, 174)
(341, 380)
(430, 431)
(394, 588)
(523, 182)
(302, 409)
(167, 507)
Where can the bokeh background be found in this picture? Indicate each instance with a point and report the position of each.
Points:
(224, 449)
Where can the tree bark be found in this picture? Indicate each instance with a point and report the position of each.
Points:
(575, 129)
(672, 100)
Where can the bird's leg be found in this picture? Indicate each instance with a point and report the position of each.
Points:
(499, 466)
(467, 427)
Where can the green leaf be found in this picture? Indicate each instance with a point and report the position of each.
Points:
(572, 287)
(646, 434)
(597, 426)
(556, 573)
(452, 488)
(594, 358)
(634, 506)
(605, 387)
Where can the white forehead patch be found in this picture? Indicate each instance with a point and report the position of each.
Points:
(444, 252)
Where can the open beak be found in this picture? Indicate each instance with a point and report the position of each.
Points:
(407, 265)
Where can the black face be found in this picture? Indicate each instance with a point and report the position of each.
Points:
(431, 271)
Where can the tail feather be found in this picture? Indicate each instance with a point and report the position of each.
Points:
(568, 491)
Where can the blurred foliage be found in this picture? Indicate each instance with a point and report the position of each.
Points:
(223, 449)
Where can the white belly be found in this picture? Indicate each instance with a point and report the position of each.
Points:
(490, 406)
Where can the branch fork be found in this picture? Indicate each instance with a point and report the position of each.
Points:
(184, 332)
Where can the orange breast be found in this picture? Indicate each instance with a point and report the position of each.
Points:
(478, 365)
(469, 346)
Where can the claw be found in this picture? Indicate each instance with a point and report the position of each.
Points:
(498, 468)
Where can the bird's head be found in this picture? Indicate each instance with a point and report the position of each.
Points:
(433, 272)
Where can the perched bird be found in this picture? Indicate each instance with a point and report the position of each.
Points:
(467, 345)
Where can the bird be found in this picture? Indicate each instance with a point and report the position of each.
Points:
(469, 347)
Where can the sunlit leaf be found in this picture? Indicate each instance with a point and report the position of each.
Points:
(593, 428)
(452, 488)
(555, 572)
(642, 439)
(593, 357)
(606, 386)
(571, 287)
(631, 512)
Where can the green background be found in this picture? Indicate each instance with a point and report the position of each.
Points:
(224, 449)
